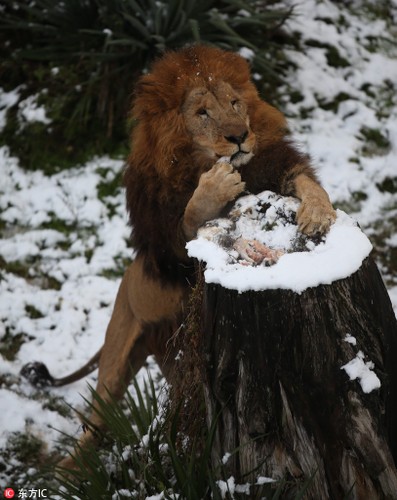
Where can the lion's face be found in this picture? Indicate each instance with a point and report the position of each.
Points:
(218, 123)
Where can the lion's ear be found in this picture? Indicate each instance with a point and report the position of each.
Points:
(153, 97)
(160, 133)
(146, 99)
(141, 85)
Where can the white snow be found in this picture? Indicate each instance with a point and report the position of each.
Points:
(350, 339)
(30, 111)
(71, 319)
(264, 480)
(339, 256)
(247, 53)
(227, 487)
(334, 139)
(20, 413)
(362, 370)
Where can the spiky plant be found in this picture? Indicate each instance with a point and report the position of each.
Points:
(87, 53)
(144, 454)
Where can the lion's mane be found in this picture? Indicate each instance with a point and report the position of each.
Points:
(163, 168)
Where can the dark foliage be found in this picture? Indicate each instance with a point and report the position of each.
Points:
(81, 59)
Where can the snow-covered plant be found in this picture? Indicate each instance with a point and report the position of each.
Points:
(144, 455)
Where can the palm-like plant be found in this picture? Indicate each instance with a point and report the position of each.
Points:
(103, 45)
(148, 455)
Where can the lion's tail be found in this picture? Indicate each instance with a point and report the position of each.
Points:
(38, 375)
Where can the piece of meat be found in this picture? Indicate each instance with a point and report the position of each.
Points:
(255, 252)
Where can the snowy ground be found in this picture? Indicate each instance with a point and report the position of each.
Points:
(64, 240)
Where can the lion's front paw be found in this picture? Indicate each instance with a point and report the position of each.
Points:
(216, 188)
(315, 216)
(221, 184)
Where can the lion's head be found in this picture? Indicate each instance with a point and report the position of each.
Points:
(216, 118)
(195, 106)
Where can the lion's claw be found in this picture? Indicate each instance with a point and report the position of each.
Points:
(315, 217)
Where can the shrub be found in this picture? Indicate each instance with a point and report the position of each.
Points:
(81, 59)
(148, 455)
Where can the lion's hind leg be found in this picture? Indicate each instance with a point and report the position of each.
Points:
(144, 307)
(141, 301)
(115, 368)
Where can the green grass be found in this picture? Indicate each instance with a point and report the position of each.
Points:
(23, 456)
(375, 142)
(332, 54)
(388, 185)
(10, 344)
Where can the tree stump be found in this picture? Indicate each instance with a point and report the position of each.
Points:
(303, 384)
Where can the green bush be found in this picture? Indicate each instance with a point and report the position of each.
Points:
(144, 453)
(81, 58)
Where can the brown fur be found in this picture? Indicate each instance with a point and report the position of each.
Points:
(193, 107)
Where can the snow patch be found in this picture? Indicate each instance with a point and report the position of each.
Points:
(350, 339)
(247, 53)
(338, 256)
(264, 480)
(21, 415)
(357, 368)
(227, 487)
(30, 111)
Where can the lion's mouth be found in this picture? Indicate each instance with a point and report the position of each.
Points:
(240, 158)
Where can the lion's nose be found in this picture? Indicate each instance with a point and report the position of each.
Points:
(237, 139)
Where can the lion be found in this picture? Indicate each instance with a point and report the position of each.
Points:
(203, 136)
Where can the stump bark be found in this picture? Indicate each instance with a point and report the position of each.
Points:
(283, 405)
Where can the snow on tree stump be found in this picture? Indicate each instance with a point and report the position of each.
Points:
(300, 352)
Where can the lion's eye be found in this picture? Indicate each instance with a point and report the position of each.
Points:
(202, 112)
(234, 103)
